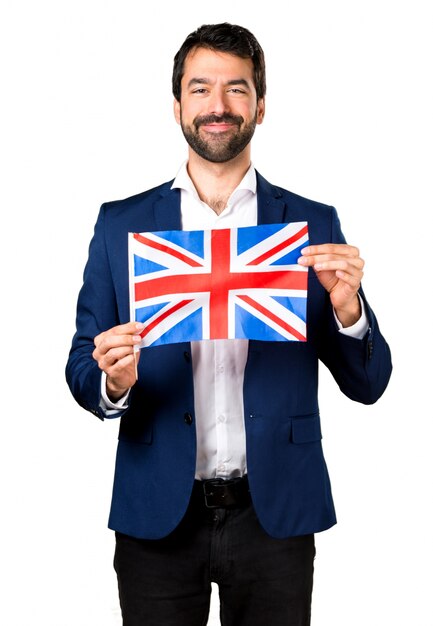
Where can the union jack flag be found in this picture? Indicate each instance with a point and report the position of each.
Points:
(241, 283)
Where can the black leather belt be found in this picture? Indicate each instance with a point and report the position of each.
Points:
(219, 493)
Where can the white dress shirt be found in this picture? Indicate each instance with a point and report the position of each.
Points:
(219, 365)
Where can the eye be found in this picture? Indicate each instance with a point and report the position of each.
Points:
(200, 90)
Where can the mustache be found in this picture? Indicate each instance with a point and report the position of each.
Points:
(226, 118)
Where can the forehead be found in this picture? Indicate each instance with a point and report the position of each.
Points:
(212, 64)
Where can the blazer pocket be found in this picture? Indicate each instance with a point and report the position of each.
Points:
(306, 429)
(135, 429)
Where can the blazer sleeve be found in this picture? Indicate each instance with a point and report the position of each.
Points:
(361, 367)
(96, 311)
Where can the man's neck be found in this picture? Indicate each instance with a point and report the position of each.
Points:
(215, 182)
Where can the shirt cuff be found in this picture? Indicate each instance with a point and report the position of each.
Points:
(359, 328)
(112, 408)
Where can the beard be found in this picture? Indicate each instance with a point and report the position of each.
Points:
(219, 147)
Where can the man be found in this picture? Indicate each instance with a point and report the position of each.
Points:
(220, 474)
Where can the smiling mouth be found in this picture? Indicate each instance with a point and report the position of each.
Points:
(218, 128)
(214, 124)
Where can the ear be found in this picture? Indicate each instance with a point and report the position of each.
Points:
(260, 110)
(176, 110)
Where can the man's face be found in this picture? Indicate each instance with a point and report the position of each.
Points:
(218, 110)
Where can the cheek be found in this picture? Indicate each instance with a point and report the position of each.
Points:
(249, 112)
(189, 113)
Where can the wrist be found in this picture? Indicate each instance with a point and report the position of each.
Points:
(114, 392)
(348, 316)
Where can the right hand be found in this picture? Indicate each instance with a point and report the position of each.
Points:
(114, 353)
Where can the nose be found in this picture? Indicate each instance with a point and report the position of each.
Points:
(218, 102)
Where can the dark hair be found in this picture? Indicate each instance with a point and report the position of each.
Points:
(225, 38)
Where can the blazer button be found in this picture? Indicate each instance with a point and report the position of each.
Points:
(187, 418)
(187, 356)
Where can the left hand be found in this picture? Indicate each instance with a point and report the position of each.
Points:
(339, 269)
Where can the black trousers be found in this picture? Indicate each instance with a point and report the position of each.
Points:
(262, 581)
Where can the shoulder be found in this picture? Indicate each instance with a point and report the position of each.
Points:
(138, 200)
(151, 210)
(323, 221)
(293, 200)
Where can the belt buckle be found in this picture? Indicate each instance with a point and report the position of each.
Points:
(208, 486)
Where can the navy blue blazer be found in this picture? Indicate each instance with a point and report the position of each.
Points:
(156, 454)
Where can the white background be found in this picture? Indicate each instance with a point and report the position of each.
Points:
(87, 117)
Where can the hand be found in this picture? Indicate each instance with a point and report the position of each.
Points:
(339, 269)
(114, 353)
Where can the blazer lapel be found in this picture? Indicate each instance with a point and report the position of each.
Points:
(270, 208)
(166, 209)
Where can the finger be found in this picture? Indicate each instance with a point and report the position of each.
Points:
(118, 370)
(350, 279)
(331, 248)
(113, 356)
(128, 329)
(333, 263)
(352, 266)
(106, 341)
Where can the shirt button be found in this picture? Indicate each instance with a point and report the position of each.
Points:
(220, 369)
(187, 418)
(221, 468)
(221, 419)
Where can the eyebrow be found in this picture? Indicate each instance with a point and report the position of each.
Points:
(206, 81)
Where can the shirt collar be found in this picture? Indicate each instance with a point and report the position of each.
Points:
(183, 181)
